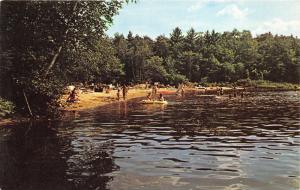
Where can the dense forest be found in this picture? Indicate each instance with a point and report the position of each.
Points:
(47, 45)
(208, 57)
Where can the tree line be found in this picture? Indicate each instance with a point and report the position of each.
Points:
(47, 45)
(208, 57)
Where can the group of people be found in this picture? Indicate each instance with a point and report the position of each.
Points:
(236, 93)
(153, 94)
(124, 90)
(233, 94)
(74, 97)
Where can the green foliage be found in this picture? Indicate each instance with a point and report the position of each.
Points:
(47, 44)
(154, 70)
(176, 79)
(6, 108)
(274, 85)
(267, 84)
(95, 63)
(212, 56)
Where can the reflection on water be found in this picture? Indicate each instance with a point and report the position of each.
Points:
(195, 142)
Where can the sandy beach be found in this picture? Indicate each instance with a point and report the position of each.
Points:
(95, 99)
(91, 100)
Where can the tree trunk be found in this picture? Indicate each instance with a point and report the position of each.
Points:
(59, 49)
(132, 69)
(53, 60)
(28, 106)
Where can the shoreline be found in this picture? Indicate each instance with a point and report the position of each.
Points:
(91, 100)
(95, 100)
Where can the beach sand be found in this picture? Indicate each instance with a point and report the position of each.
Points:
(91, 100)
(95, 99)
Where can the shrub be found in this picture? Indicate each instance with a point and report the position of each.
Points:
(6, 108)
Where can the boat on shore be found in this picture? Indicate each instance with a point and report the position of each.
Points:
(154, 102)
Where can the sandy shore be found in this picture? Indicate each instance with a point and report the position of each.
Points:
(92, 100)
(95, 99)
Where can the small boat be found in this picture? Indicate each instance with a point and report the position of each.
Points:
(154, 102)
(206, 96)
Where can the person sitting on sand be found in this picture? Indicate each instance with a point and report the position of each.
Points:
(161, 98)
(72, 97)
(149, 97)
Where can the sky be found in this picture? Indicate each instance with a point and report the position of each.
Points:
(160, 17)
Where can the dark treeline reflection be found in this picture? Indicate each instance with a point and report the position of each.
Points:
(34, 156)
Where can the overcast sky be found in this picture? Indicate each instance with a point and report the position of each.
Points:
(156, 17)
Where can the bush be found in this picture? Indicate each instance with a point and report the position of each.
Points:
(6, 108)
(244, 82)
(266, 84)
(175, 79)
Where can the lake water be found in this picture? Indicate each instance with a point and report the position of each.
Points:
(194, 142)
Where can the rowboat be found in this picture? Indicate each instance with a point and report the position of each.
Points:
(206, 96)
(154, 102)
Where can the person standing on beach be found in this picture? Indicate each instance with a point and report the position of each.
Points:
(154, 91)
(221, 91)
(118, 92)
(180, 90)
(234, 92)
(124, 90)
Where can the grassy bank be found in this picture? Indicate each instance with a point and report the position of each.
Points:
(258, 84)
(275, 86)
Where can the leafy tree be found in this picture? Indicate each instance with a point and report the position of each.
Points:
(36, 33)
(154, 70)
(97, 63)
(176, 42)
(162, 47)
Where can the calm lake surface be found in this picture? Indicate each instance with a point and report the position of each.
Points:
(194, 142)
